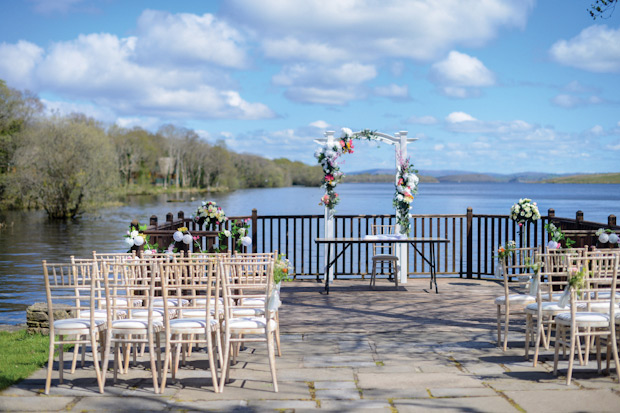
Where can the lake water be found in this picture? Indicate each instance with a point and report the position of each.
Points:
(28, 237)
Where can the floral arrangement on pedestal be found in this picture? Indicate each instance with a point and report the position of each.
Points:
(557, 236)
(135, 237)
(210, 214)
(327, 156)
(406, 188)
(182, 234)
(524, 211)
(239, 231)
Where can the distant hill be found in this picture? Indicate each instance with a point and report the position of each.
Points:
(372, 175)
(611, 178)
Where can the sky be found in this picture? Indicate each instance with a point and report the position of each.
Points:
(499, 86)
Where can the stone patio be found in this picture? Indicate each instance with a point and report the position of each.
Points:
(356, 350)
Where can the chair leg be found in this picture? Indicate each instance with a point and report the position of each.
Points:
(212, 365)
(61, 361)
(277, 317)
(506, 325)
(50, 365)
(272, 360)
(374, 275)
(558, 336)
(540, 334)
(95, 350)
(529, 334)
(499, 325)
(571, 357)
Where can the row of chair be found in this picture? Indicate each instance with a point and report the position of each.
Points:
(121, 304)
(572, 292)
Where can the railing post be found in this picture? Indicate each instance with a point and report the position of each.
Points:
(551, 213)
(579, 217)
(153, 221)
(611, 220)
(254, 230)
(169, 217)
(470, 243)
(181, 215)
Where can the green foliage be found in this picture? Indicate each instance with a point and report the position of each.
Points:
(21, 354)
(602, 8)
(64, 163)
(67, 163)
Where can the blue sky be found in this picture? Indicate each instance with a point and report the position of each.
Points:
(486, 85)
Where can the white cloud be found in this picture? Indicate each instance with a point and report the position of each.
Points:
(595, 49)
(369, 29)
(460, 75)
(188, 39)
(457, 117)
(320, 124)
(439, 147)
(311, 74)
(66, 108)
(422, 120)
(393, 91)
(332, 85)
(128, 77)
(566, 101)
(17, 62)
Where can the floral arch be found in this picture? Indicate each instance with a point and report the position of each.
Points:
(406, 181)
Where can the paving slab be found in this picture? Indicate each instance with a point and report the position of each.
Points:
(354, 350)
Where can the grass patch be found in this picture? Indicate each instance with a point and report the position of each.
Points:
(21, 354)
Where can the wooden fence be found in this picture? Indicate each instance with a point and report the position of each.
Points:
(474, 239)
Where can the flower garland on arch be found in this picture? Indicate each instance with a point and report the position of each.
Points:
(328, 155)
(406, 188)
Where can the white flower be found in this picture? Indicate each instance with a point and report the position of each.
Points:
(138, 240)
(603, 238)
(187, 239)
(129, 241)
(227, 233)
(346, 132)
(552, 245)
(178, 236)
(613, 238)
(246, 241)
(599, 232)
(148, 252)
(134, 234)
(242, 231)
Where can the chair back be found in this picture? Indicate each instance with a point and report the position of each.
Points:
(191, 284)
(519, 266)
(131, 287)
(73, 287)
(381, 248)
(592, 284)
(245, 282)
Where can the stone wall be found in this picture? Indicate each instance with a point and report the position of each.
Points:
(37, 318)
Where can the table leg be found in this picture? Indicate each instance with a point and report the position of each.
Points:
(329, 264)
(433, 268)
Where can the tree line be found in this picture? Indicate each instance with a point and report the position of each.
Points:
(64, 163)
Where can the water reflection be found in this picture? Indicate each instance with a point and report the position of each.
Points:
(29, 237)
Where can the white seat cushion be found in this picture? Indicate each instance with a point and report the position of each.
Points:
(584, 319)
(144, 313)
(101, 314)
(75, 324)
(250, 323)
(599, 307)
(185, 323)
(135, 324)
(203, 301)
(257, 302)
(159, 302)
(554, 296)
(547, 307)
(122, 302)
(195, 312)
(515, 298)
(248, 312)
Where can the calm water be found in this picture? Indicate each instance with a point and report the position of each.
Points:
(29, 237)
